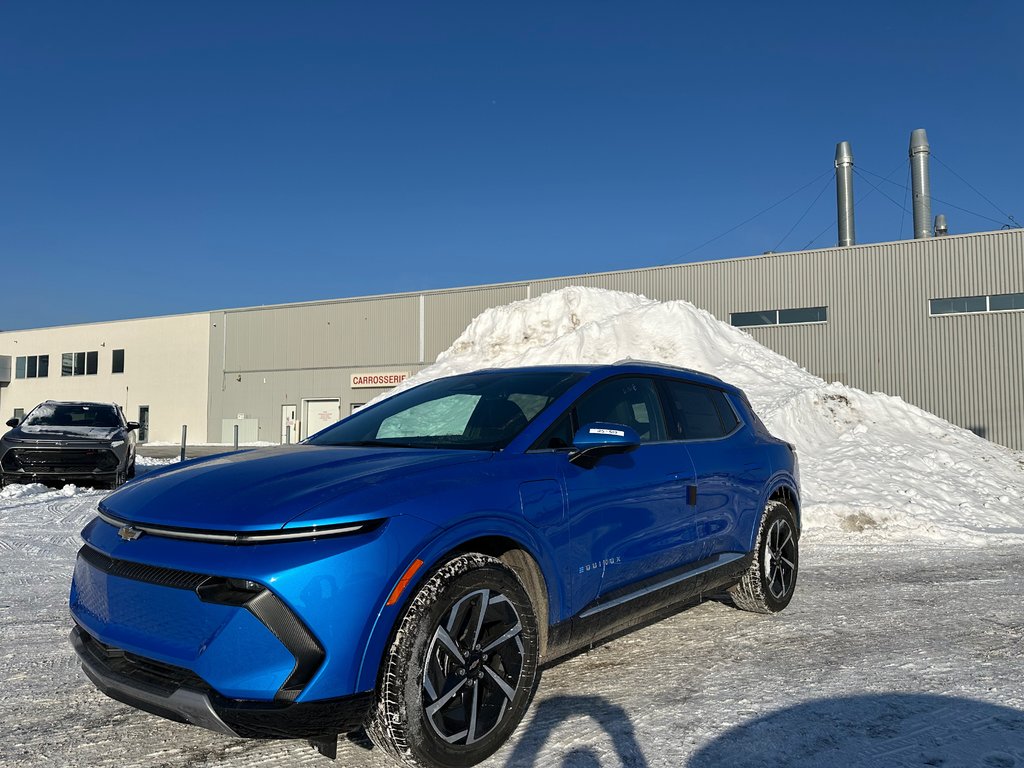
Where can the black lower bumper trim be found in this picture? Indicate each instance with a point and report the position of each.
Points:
(303, 720)
(185, 698)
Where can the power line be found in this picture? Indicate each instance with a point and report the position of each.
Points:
(828, 183)
(1013, 221)
(965, 181)
(894, 202)
(815, 180)
(857, 202)
(906, 193)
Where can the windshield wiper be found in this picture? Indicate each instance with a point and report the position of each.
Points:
(375, 443)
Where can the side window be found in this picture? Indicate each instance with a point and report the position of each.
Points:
(697, 412)
(630, 401)
(559, 434)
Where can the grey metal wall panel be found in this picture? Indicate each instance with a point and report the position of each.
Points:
(446, 315)
(373, 331)
(215, 405)
(879, 335)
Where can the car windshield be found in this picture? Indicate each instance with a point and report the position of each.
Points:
(54, 415)
(479, 411)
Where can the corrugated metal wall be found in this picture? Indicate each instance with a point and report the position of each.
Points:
(447, 314)
(879, 335)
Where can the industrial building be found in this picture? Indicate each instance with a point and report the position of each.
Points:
(937, 320)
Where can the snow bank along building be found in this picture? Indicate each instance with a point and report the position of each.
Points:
(938, 321)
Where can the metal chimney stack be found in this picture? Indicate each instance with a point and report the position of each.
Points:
(941, 228)
(919, 152)
(844, 193)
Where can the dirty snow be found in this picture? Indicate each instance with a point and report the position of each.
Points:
(904, 645)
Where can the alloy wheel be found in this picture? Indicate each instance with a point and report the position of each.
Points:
(780, 559)
(473, 667)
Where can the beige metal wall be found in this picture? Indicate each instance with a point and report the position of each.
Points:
(879, 335)
(166, 367)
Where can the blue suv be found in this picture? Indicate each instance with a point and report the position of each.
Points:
(409, 569)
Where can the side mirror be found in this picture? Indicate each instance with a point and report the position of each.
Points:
(599, 439)
(13, 422)
(132, 425)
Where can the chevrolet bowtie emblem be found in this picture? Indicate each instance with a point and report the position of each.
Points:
(128, 533)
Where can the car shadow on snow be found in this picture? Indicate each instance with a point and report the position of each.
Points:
(898, 729)
(550, 713)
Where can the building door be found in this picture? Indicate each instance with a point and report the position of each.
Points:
(319, 414)
(143, 423)
(289, 424)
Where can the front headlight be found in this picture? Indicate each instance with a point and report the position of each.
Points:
(117, 443)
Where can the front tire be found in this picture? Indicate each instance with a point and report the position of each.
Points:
(462, 668)
(769, 583)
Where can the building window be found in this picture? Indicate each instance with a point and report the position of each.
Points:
(32, 367)
(962, 305)
(118, 366)
(756, 318)
(1005, 301)
(780, 316)
(79, 363)
(19, 414)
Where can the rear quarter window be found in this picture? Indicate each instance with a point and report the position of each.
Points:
(697, 412)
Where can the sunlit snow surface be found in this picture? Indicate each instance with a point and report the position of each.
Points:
(870, 463)
(904, 644)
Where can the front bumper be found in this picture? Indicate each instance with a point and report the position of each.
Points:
(150, 595)
(180, 695)
(26, 463)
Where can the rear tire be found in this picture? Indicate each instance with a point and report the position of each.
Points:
(769, 583)
(462, 667)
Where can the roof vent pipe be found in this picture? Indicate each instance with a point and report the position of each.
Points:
(919, 152)
(844, 193)
(940, 225)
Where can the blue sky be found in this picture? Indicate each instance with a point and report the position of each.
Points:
(165, 157)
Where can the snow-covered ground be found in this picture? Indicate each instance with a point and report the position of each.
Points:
(904, 645)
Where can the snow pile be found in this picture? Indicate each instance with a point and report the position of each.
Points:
(868, 461)
(39, 492)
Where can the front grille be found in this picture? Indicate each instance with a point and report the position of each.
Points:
(151, 574)
(261, 603)
(156, 674)
(80, 460)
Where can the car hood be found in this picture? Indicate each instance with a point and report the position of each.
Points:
(62, 434)
(264, 489)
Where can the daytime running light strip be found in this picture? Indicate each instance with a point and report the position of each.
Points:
(257, 537)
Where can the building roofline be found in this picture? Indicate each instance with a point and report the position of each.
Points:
(675, 265)
(520, 283)
(6, 331)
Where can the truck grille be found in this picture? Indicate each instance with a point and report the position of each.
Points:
(57, 460)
